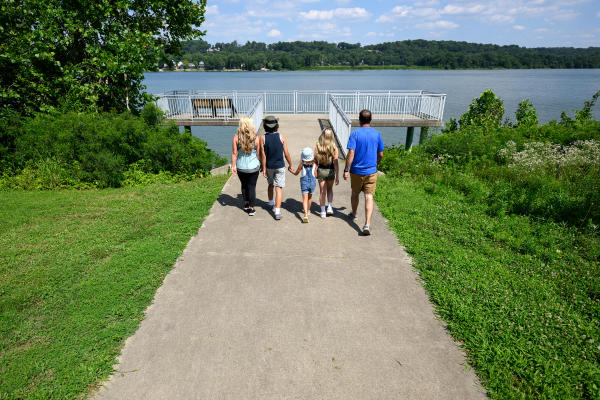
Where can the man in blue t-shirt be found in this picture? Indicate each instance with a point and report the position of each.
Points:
(365, 151)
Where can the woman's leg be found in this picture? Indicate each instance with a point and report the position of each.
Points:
(244, 181)
(252, 178)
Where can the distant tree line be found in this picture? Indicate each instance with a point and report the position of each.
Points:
(410, 53)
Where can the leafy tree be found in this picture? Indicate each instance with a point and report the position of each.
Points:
(486, 111)
(87, 55)
(526, 115)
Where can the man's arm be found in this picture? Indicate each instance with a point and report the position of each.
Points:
(349, 159)
(379, 157)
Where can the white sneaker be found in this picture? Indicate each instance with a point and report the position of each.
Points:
(329, 210)
(323, 214)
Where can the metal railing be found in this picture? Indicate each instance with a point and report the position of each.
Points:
(340, 122)
(398, 105)
(257, 112)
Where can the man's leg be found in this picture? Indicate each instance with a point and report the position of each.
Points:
(368, 208)
(354, 202)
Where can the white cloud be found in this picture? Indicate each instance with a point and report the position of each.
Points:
(563, 15)
(542, 30)
(598, 14)
(438, 25)
(384, 19)
(426, 3)
(371, 34)
(212, 10)
(502, 19)
(402, 11)
(409, 12)
(519, 28)
(274, 33)
(451, 9)
(338, 13)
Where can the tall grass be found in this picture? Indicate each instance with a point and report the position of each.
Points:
(502, 220)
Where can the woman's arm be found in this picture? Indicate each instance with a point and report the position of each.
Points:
(314, 170)
(234, 152)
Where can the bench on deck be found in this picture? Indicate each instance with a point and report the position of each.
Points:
(213, 104)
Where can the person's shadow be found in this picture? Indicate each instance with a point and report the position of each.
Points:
(290, 204)
(227, 200)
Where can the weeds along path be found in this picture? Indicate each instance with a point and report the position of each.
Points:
(262, 309)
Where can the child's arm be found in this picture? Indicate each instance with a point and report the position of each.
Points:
(297, 171)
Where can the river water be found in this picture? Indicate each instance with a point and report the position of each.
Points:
(550, 91)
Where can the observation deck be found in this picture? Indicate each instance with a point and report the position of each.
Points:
(389, 108)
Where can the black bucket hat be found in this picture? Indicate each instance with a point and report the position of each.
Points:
(270, 121)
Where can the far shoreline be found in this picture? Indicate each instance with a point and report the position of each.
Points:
(370, 68)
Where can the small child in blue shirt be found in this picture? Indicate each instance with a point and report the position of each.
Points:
(308, 179)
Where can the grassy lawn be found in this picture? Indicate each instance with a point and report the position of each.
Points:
(77, 270)
(522, 295)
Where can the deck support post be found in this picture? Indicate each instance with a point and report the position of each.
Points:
(188, 128)
(423, 134)
(410, 131)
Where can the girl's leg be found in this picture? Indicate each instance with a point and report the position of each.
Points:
(305, 203)
(322, 192)
(329, 191)
(308, 203)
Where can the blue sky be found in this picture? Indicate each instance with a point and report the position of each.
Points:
(529, 23)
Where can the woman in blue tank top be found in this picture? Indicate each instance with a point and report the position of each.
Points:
(245, 162)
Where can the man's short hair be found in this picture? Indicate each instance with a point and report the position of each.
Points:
(364, 117)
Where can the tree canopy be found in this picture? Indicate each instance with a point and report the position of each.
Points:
(410, 53)
(87, 54)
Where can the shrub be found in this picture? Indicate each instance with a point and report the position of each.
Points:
(97, 149)
(551, 171)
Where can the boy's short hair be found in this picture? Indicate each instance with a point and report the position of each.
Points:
(269, 129)
(270, 123)
(364, 117)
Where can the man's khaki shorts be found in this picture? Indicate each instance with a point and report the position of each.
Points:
(363, 183)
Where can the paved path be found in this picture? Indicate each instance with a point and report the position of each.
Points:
(264, 309)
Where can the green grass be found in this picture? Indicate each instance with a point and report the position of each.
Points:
(77, 270)
(522, 295)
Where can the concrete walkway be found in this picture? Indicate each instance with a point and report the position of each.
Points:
(263, 309)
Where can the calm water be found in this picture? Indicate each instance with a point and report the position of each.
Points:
(551, 91)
